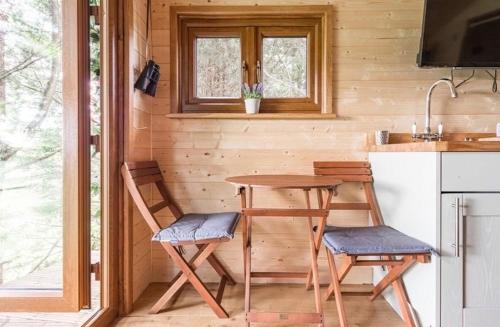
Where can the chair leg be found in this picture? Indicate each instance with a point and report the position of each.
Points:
(393, 274)
(179, 280)
(219, 268)
(336, 289)
(404, 302)
(344, 270)
(189, 274)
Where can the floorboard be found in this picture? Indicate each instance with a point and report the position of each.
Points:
(189, 310)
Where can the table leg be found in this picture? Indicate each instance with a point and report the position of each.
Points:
(321, 228)
(314, 258)
(248, 257)
(243, 196)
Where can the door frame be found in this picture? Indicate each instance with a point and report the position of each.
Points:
(75, 186)
(77, 138)
(112, 138)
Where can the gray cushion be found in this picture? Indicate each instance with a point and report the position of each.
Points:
(375, 240)
(198, 227)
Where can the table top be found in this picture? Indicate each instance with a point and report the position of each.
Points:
(285, 181)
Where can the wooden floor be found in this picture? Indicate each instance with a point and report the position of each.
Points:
(189, 310)
(53, 319)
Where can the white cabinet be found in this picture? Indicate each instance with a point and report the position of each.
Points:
(470, 171)
(418, 194)
(470, 273)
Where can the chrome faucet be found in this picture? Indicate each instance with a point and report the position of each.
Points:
(427, 135)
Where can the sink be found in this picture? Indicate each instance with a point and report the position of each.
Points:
(458, 142)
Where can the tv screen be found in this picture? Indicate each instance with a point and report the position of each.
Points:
(460, 33)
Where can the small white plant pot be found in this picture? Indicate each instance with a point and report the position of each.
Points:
(252, 106)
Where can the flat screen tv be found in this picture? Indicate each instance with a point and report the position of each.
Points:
(460, 33)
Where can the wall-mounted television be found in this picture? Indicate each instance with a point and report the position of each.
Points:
(460, 33)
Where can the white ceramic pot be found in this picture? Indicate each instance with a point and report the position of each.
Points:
(252, 106)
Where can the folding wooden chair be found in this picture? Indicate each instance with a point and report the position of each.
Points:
(206, 231)
(362, 245)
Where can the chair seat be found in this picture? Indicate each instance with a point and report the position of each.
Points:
(199, 227)
(376, 240)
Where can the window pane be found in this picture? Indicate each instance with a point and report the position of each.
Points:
(285, 67)
(31, 124)
(218, 68)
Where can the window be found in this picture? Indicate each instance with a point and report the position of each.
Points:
(216, 49)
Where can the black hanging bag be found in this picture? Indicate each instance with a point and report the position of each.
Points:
(150, 75)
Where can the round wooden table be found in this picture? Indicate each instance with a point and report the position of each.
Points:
(245, 185)
(286, 181)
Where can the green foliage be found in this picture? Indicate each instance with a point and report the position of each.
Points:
(285, 67)
(31, 121)
(218, 67)
(255, 91)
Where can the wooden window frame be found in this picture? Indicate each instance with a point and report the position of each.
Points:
(193, 103)
(252, 23)
(312, 101)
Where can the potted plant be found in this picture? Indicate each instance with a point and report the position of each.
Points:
(252, 96)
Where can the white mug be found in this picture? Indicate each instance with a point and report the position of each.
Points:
(382, 137)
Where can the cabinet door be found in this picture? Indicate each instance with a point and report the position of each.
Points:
(451, 261)
(471, 277)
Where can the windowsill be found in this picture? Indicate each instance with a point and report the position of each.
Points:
(263, 116)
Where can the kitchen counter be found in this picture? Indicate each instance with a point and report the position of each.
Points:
(447, 195)
(455, 142)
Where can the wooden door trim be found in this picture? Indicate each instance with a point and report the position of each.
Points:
(84, 165)
(126, 226)
(112, 102)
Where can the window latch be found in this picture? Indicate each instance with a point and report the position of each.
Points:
(95, 140)
(94, 11)
(259, 72)
(244, 71)
(95, 269)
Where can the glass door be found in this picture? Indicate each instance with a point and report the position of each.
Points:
(44, 158)
(95, 109)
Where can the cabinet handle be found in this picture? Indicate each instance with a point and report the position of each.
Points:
(457, 227)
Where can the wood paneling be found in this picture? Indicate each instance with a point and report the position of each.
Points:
(137, 147)
(376, 85)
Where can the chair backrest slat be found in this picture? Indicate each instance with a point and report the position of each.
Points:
(133, 165)
(349, 206)
(341, 164)
(157, 207)
(348, 172)
(148, 179)
(145, 172)
(141, 173)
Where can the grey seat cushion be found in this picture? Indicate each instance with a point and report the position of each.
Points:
(198, 227)
(375, 240)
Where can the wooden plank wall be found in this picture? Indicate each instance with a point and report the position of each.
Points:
(376, 86)
(138, 144)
